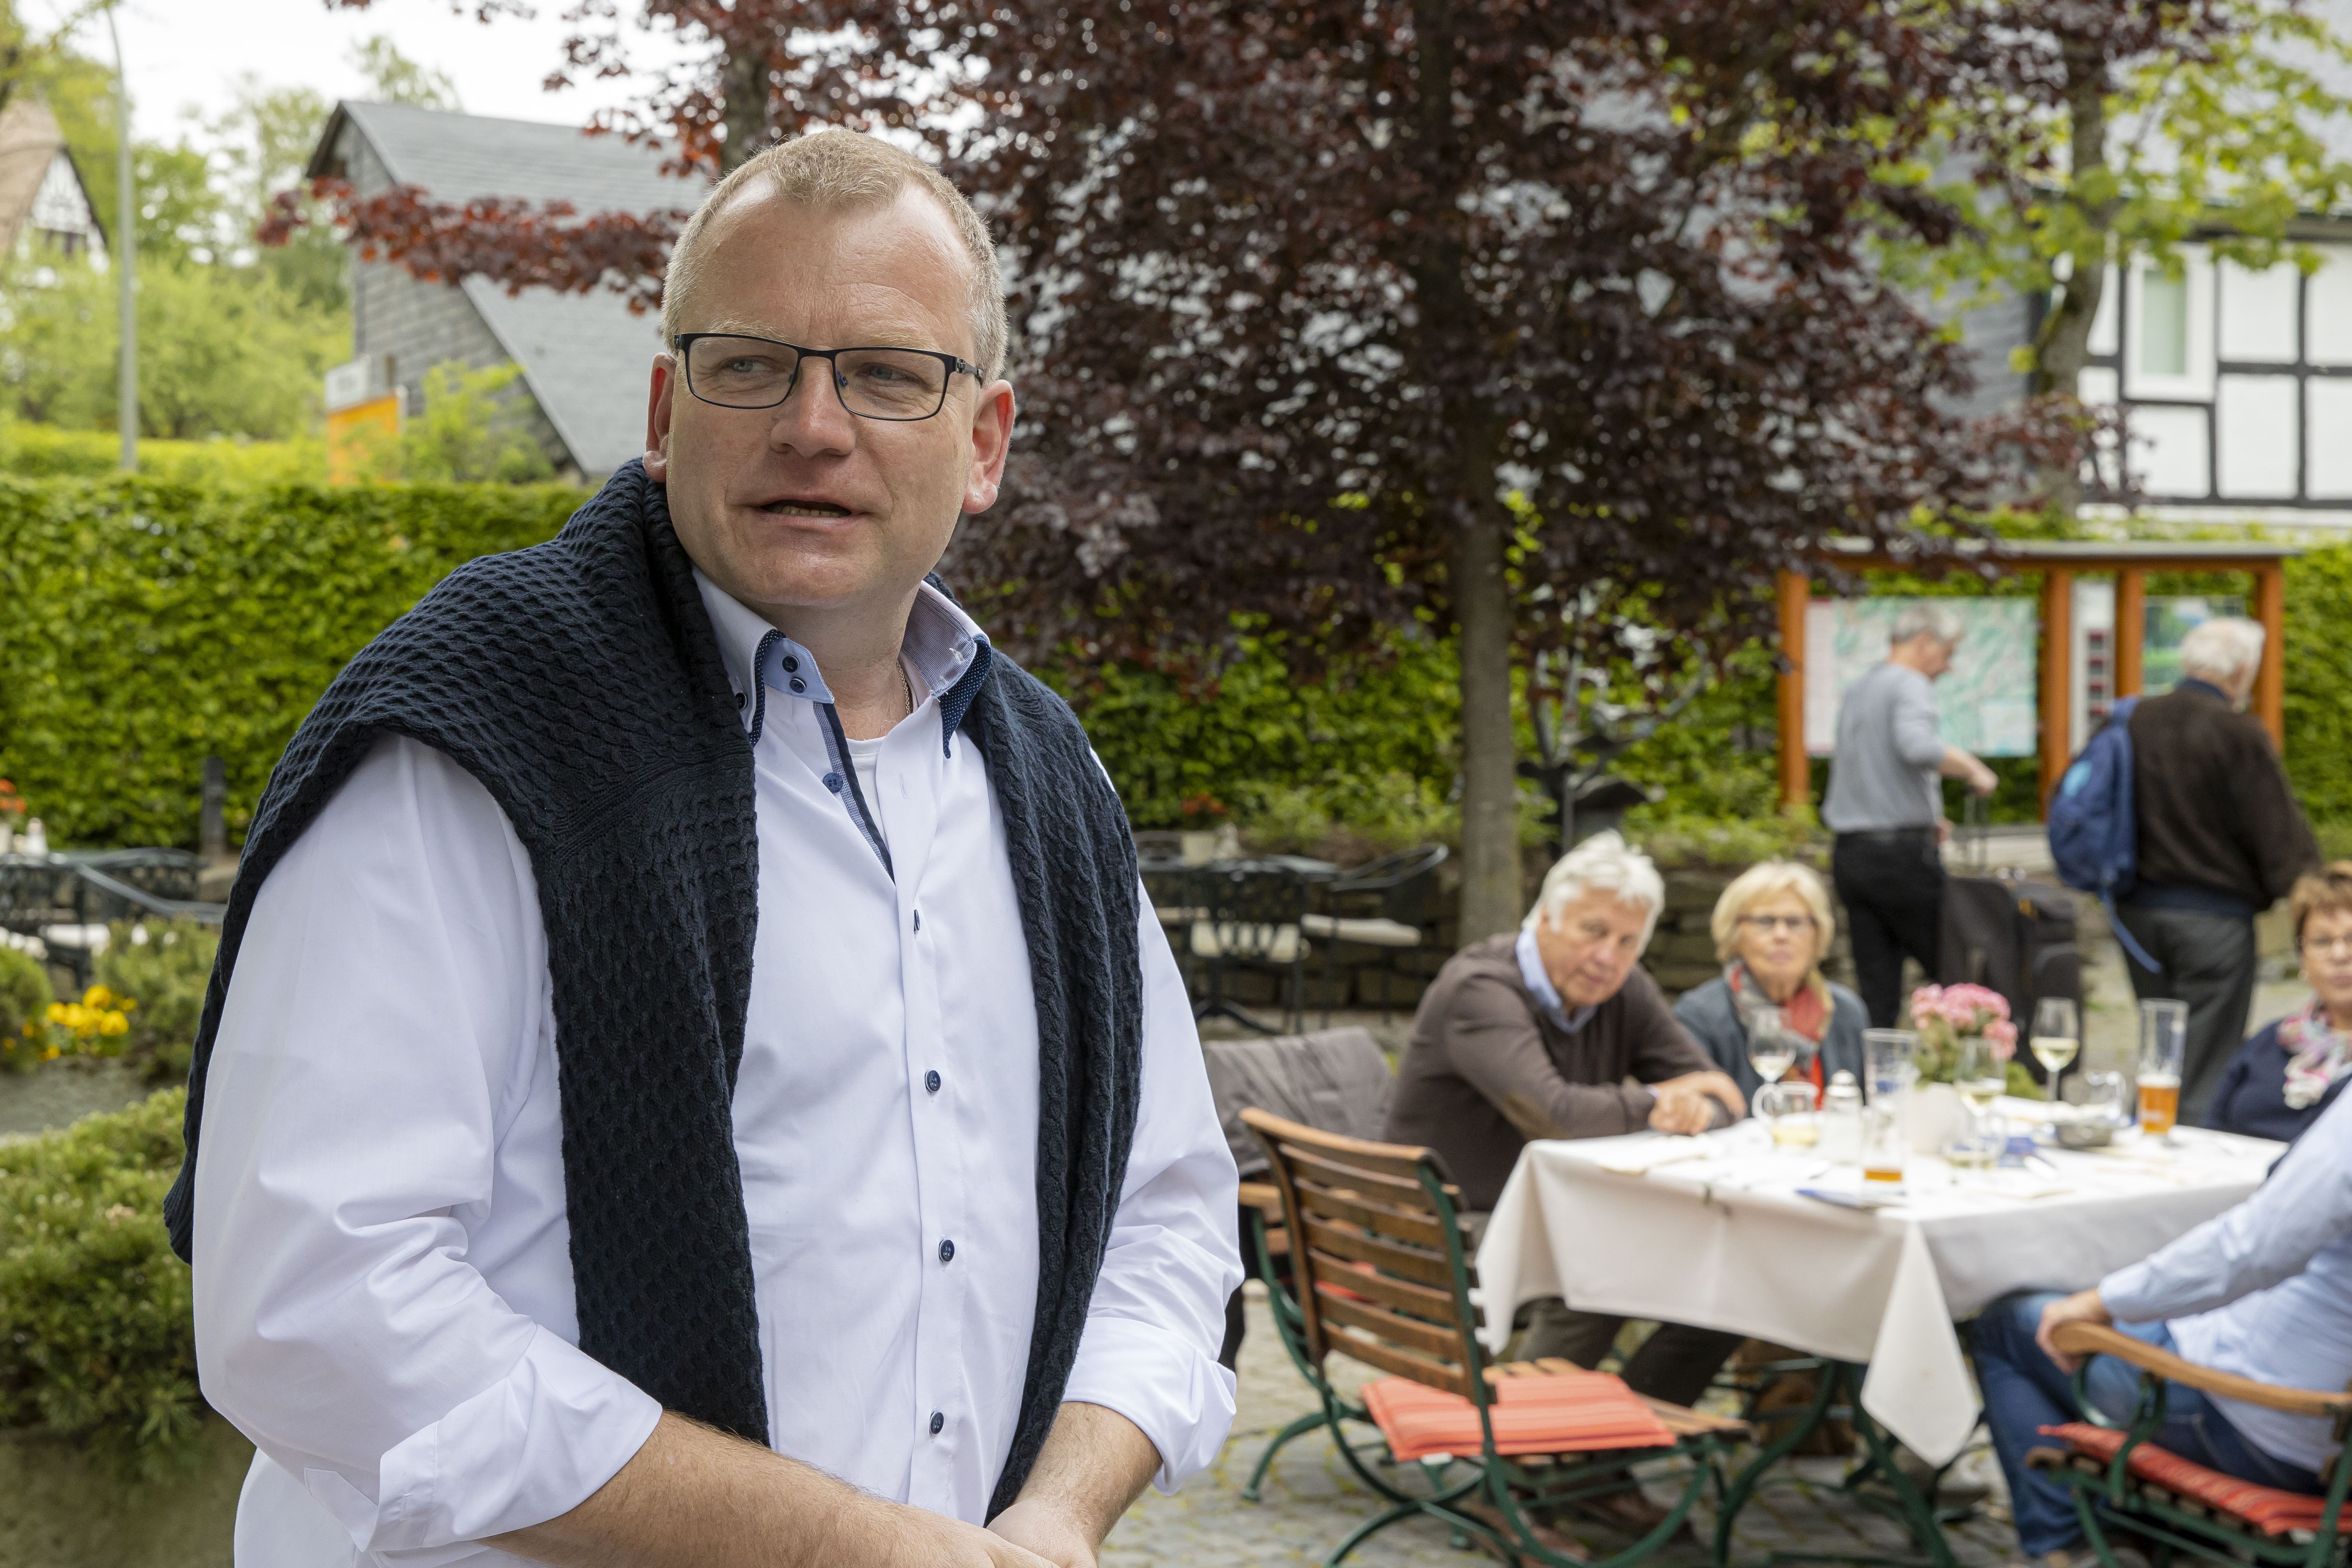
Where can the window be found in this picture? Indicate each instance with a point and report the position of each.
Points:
(2163, 323)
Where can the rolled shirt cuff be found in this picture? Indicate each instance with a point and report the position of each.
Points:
(530, 1447)
(1178, 1397)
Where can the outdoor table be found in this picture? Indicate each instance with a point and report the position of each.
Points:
(1713, 1231)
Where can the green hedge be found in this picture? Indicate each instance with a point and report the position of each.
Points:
(2319, 681)
(149, 623)
(97, 1340)
(44, 452)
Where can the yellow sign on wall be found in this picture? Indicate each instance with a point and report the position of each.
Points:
(357, 435)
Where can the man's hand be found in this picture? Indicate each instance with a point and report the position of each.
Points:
(1095, 1463)
(1982, 781)
(693, 1497)
(1687, 1104)
(2082, 1307)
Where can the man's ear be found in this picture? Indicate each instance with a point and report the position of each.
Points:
(659, 408)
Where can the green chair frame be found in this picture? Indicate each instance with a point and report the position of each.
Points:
(2111, 1495)
(1384, 1277)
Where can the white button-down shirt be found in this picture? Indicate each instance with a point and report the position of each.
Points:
(384, 1286)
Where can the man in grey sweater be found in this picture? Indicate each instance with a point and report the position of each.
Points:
(1885, 804)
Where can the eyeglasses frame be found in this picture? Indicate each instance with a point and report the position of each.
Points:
(682, 345)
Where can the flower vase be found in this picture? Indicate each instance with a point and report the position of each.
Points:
(1936, 1117)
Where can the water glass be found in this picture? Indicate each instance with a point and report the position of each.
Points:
(1979, 1075)
(2163, 1046)
(1890, 1063)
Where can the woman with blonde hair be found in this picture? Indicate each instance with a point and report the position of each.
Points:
(2287, 1073)
(1772, 928)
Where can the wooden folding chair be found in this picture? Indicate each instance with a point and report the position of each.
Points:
(2119, 1476)
(1383, 1276)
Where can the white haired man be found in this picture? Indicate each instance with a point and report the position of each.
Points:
(2220, 839)
(1886, 806)
(1535, 1035)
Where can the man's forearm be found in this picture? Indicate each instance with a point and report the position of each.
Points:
(694, 1498)
(1095, 1462)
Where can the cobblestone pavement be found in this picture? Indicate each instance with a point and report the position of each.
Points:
(1311, 1502)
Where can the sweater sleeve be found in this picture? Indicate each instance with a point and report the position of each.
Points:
(1657, 1046)
(1492, 1039)
(2269, 824)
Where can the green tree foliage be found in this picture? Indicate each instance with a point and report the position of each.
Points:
(222, 350)
(257, 147)
(25, 997)
(396, 79)
(151, 623)
(97, 1330)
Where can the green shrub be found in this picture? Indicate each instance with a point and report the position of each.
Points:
(166, 965)
(97, 1341)
(46, 452)
(25, 997)
(2319, 681)
(150, 623)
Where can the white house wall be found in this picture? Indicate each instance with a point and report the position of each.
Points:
(2255, 423)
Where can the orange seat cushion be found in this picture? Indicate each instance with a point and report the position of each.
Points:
(1560, 1413)
(2267, 1508)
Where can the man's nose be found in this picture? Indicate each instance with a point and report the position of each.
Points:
(814, 418)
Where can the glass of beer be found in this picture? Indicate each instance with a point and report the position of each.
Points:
(2163, 1045)
(2057, 1036)
(1883, 1145)
(1890, 1063)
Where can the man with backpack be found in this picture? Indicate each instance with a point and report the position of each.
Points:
(2178, 814)
(1885, 803)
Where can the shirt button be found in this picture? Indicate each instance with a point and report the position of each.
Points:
(833, 782)
(797, 684)
(947, 1252)
(939, 1422)
(791, 663)
(931, 1082)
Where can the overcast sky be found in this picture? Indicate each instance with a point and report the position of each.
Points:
(185, 53)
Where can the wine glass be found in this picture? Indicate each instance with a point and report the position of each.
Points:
(2056, 1037)
(1979, 1077)
(1772, 1045)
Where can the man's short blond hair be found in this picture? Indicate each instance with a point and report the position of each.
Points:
(1768, 879)
(843, 170)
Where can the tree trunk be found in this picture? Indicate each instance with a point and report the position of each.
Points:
(2065, 346)
(1492, 894)
(1477, 582)
(745, 74)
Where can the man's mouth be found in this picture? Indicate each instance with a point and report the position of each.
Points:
(795, 508)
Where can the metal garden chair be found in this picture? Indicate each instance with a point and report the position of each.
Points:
(2119, 1477)
(1383, 1276)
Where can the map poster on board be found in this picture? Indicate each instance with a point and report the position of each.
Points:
(1988, 699)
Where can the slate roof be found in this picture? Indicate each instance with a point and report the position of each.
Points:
(583, 356)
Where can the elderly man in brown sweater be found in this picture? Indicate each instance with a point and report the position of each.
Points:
(1558, 1033)
(2221, 839)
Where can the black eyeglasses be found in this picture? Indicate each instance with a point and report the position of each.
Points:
(897, 384)
(1771, 922)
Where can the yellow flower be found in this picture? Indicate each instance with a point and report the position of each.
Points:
(114, 1023)
(97, 996)
(57, 1013)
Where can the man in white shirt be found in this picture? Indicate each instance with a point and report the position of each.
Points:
(402, 1220)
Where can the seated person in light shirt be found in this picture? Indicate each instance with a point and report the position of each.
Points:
(1555, 1031)
(2263, 1291)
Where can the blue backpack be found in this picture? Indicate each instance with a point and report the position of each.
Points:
(2094, 835)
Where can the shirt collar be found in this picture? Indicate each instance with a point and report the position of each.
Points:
(942, 646)
(2191, 684)
(1547, 995)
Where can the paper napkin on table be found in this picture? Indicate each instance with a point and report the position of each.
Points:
(1640, 1159)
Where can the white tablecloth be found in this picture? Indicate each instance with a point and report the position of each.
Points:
(1714, 1233)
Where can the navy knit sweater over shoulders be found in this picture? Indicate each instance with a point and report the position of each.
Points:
(580, 682)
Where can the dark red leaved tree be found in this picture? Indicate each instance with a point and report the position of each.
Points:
(1508, 319)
